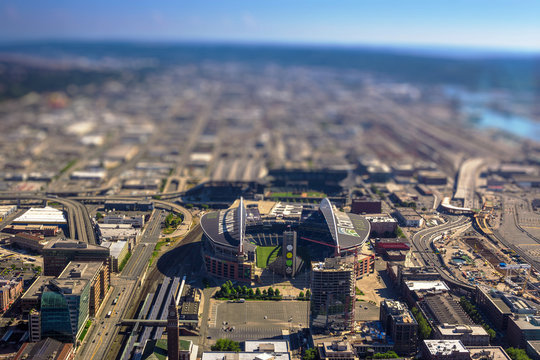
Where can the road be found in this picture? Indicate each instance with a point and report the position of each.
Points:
(422, 243)
(183, 259)
(79, 222)
(101, 336)
(466, 185)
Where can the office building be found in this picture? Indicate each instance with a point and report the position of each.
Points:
(118, 250)
(415, 291)
(59, 252)
(336, 350)
(10, 289)
(408, 217)
(34, 325)
(332, 294)
(366, 206)
(522, 329)
(500, 306)
(382, 225)
(68, 300)
(400, 324)
(444, 350)
(533, 349)
(254, 350)
(443, 309)
(49, 349)
(469, 335)
(136, 221)
(37, 230)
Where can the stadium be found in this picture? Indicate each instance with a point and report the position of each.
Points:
(242, 241)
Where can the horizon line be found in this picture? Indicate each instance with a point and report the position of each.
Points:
(426, 48)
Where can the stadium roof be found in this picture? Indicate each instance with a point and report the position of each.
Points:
(347, 230)
(228, 227)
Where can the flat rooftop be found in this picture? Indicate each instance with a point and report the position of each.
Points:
(437, 285)
(452, 330)
(115, 247)
(265, 345)
(446, 310)
(46, 215)
(230, 355)
(80, 270)
(488, 352)
(35, 290)
(444, 347)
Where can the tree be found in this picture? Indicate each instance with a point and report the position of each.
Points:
(310, 354)
(99, 215)
(270, 292)
(226, 345)
(423, 327)
(258, 293)
(276, 293)
(301, 295)
(308, 294)
(517, 354)
(387, 355)
(251, 294)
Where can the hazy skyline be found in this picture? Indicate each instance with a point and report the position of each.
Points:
(499, 24)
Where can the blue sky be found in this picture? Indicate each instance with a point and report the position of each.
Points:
(503, 24)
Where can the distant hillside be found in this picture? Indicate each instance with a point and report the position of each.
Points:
(512, 72)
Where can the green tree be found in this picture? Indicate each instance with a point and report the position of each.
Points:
(277, 293)
(301, 295)
(226, 345)
(517, 354)
(308, 294)
(258, 293)
(99, 215)
(310, 354)
(423, 326)
(270, 292)
(387, 355)
(251, 293)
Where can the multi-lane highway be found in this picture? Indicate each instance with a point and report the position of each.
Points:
(422, 244)
(79, 222)
(125, 287)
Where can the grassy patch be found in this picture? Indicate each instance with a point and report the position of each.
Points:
(68, 166)
(124, 262)
(290, 194)
(85, 330)
(263, 255)
(155, 253)
(358, 291)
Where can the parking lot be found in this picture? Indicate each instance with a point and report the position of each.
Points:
(254, 320)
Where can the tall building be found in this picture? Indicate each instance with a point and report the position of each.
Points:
(172, 331)
(71, 298)
(400, 324)
(34, 325)
(333, 294)
(58, 253)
